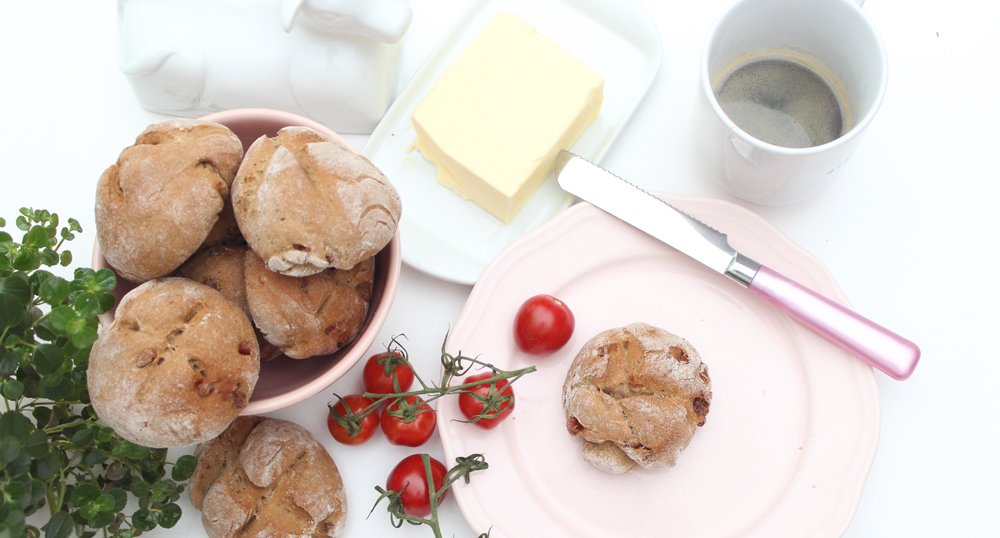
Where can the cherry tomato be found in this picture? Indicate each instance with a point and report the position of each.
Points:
(498, 405)
(542, 325)
(409, 478)
(380, 370)
(408, 421)
(339, 419)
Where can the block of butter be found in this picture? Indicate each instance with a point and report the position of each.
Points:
(494, 121)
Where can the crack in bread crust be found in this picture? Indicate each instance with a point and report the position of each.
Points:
(307, 202)
(267, 477)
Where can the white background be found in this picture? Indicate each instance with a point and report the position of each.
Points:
(908, 229)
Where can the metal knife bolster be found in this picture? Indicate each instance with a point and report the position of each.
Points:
(742, 269)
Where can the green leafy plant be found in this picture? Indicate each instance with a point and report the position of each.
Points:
(53, 451)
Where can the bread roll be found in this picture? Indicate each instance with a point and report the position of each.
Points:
(312, 315)
(267, 477)
(635, 396)
(306, 202)
(222, 268)
(157, 205)
(175, 367)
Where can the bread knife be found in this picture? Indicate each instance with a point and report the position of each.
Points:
(876, 345)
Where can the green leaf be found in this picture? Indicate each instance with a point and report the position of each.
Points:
(163, 490)
(60, 318)
(89, 512)
(169, 516)
(83, 337)
(16, 490)
(42, 416)
(184, 468)
(11, 311)
(9, 361)
(44, 332)
(14, 425)
(36, 495)
(10, 449)
(105, 434)
(2, 222)
(15, 294)
(130, 451)
(13, 520)
(104, 503)
(106, 301)
(54, 386)
(86, 304)
(101, 520)
(84, 494)
(37, 236)
(54, 290)
(142, 519)
(151, 469)
(74, 225)
(12, 389)
(6, 242)
(140, 488)
(104, 280)
(37, 444)
(22, 223)
(94, 457)
(83, 437)
(120, 497)
(65, 258)
(49, 257)
(59, 526)
(26, 260)
(18, 286)
(48, 467)
(47, 359)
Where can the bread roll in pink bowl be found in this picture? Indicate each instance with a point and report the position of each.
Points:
(283, 381)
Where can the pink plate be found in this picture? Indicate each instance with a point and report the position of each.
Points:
(794, 421)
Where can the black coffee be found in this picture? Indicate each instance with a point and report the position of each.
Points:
(782, 102)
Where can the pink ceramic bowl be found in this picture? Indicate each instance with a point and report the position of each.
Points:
(284, 381)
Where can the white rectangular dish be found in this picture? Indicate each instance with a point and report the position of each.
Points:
(452, 238)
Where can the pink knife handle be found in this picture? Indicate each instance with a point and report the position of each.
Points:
(880, 347)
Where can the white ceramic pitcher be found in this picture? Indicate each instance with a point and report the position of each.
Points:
(332, 60)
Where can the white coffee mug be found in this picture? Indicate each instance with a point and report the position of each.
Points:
(835, 40)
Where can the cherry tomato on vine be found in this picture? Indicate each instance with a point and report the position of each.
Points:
(345, 426)
(497, 405)
(542, 325)
(409, 478)
(408, 421)
(380, 369)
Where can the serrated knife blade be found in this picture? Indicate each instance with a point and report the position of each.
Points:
(880, 347)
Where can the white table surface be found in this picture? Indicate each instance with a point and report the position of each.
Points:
(908, 229)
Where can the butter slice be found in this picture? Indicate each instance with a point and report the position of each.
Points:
(497, 117)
